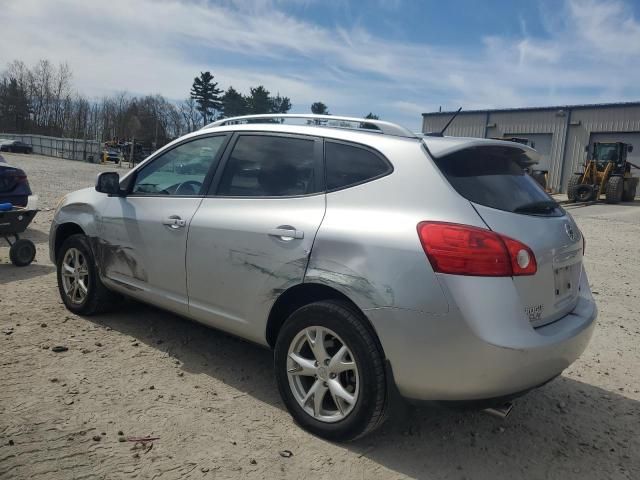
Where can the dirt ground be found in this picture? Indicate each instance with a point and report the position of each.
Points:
(212, 400)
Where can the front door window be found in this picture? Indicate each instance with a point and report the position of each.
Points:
(180, 171)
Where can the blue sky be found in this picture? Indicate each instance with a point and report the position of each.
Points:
(396, 58)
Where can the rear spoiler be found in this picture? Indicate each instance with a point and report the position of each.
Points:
(443, 146)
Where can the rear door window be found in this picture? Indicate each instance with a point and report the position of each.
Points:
(348, 165)
(270, 166)
(495, 177)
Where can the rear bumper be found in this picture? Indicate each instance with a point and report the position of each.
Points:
(483, 348)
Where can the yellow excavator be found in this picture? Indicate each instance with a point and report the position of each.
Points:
(607, 172)
(539, 175)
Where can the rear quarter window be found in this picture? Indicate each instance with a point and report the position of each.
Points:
(348, 165)
(495, 177)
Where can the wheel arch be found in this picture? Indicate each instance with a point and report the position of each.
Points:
(303, 294)
(64, 231)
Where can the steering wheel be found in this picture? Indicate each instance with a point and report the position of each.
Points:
(193, 187)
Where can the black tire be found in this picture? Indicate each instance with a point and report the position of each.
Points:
(629, 194)
(614, 190)
(370, 407)
(22, 252)
(99, 299)
(574, 181)
(585, 193)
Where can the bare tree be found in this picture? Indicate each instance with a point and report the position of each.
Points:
(189, 111)
(48, 104)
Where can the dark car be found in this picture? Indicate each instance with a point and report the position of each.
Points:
(14, 186)
(15, 146)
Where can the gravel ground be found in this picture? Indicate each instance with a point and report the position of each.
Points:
(212, 401)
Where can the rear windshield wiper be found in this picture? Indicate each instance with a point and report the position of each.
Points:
(545, 206)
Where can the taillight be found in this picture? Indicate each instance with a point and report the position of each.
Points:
(18, 175)
(466, 250)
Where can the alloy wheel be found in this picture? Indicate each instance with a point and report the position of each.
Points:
(75, 276)
(323, 374)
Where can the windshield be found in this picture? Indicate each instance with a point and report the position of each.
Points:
(604, 152)
(495, 177)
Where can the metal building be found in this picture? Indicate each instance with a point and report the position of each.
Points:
(560, 133)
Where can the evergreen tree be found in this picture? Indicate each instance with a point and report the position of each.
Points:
(319, 108)
(234, 103)
(280, 104)
(14, 106)
(372, 116)
(259, 101)
(207, 95)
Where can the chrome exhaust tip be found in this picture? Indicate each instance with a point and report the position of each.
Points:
(501, 411)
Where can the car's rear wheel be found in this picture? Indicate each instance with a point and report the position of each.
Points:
(79, 285)
(330, 371)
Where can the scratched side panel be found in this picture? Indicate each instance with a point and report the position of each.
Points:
(368, 247)
(237, 269)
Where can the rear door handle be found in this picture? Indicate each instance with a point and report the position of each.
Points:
(174, 222)
(286, 233)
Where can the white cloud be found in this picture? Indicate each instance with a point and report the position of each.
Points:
(158, 46)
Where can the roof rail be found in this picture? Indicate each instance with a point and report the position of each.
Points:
(331, 121)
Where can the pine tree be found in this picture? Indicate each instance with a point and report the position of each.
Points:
(280, 104)
(234, 103)
(259, 101)
(207, 95)
(319, 108)
(14, 107)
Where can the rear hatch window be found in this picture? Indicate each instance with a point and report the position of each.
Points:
(494, 176)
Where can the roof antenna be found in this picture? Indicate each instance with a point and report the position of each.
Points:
(441, 134)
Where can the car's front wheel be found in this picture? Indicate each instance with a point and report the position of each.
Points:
(330, 371)
(80, 287)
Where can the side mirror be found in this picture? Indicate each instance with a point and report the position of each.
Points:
(109, 183)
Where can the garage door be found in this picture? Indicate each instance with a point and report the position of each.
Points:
(626, 137)
(542, 143)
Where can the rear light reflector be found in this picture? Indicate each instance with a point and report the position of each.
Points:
(466, 250)
(18, 175)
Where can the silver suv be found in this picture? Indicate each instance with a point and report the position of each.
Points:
(368, 257)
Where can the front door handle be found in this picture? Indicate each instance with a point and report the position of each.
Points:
(286, 233)
(174, 222)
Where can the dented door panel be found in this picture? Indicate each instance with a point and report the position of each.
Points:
(140, 254)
